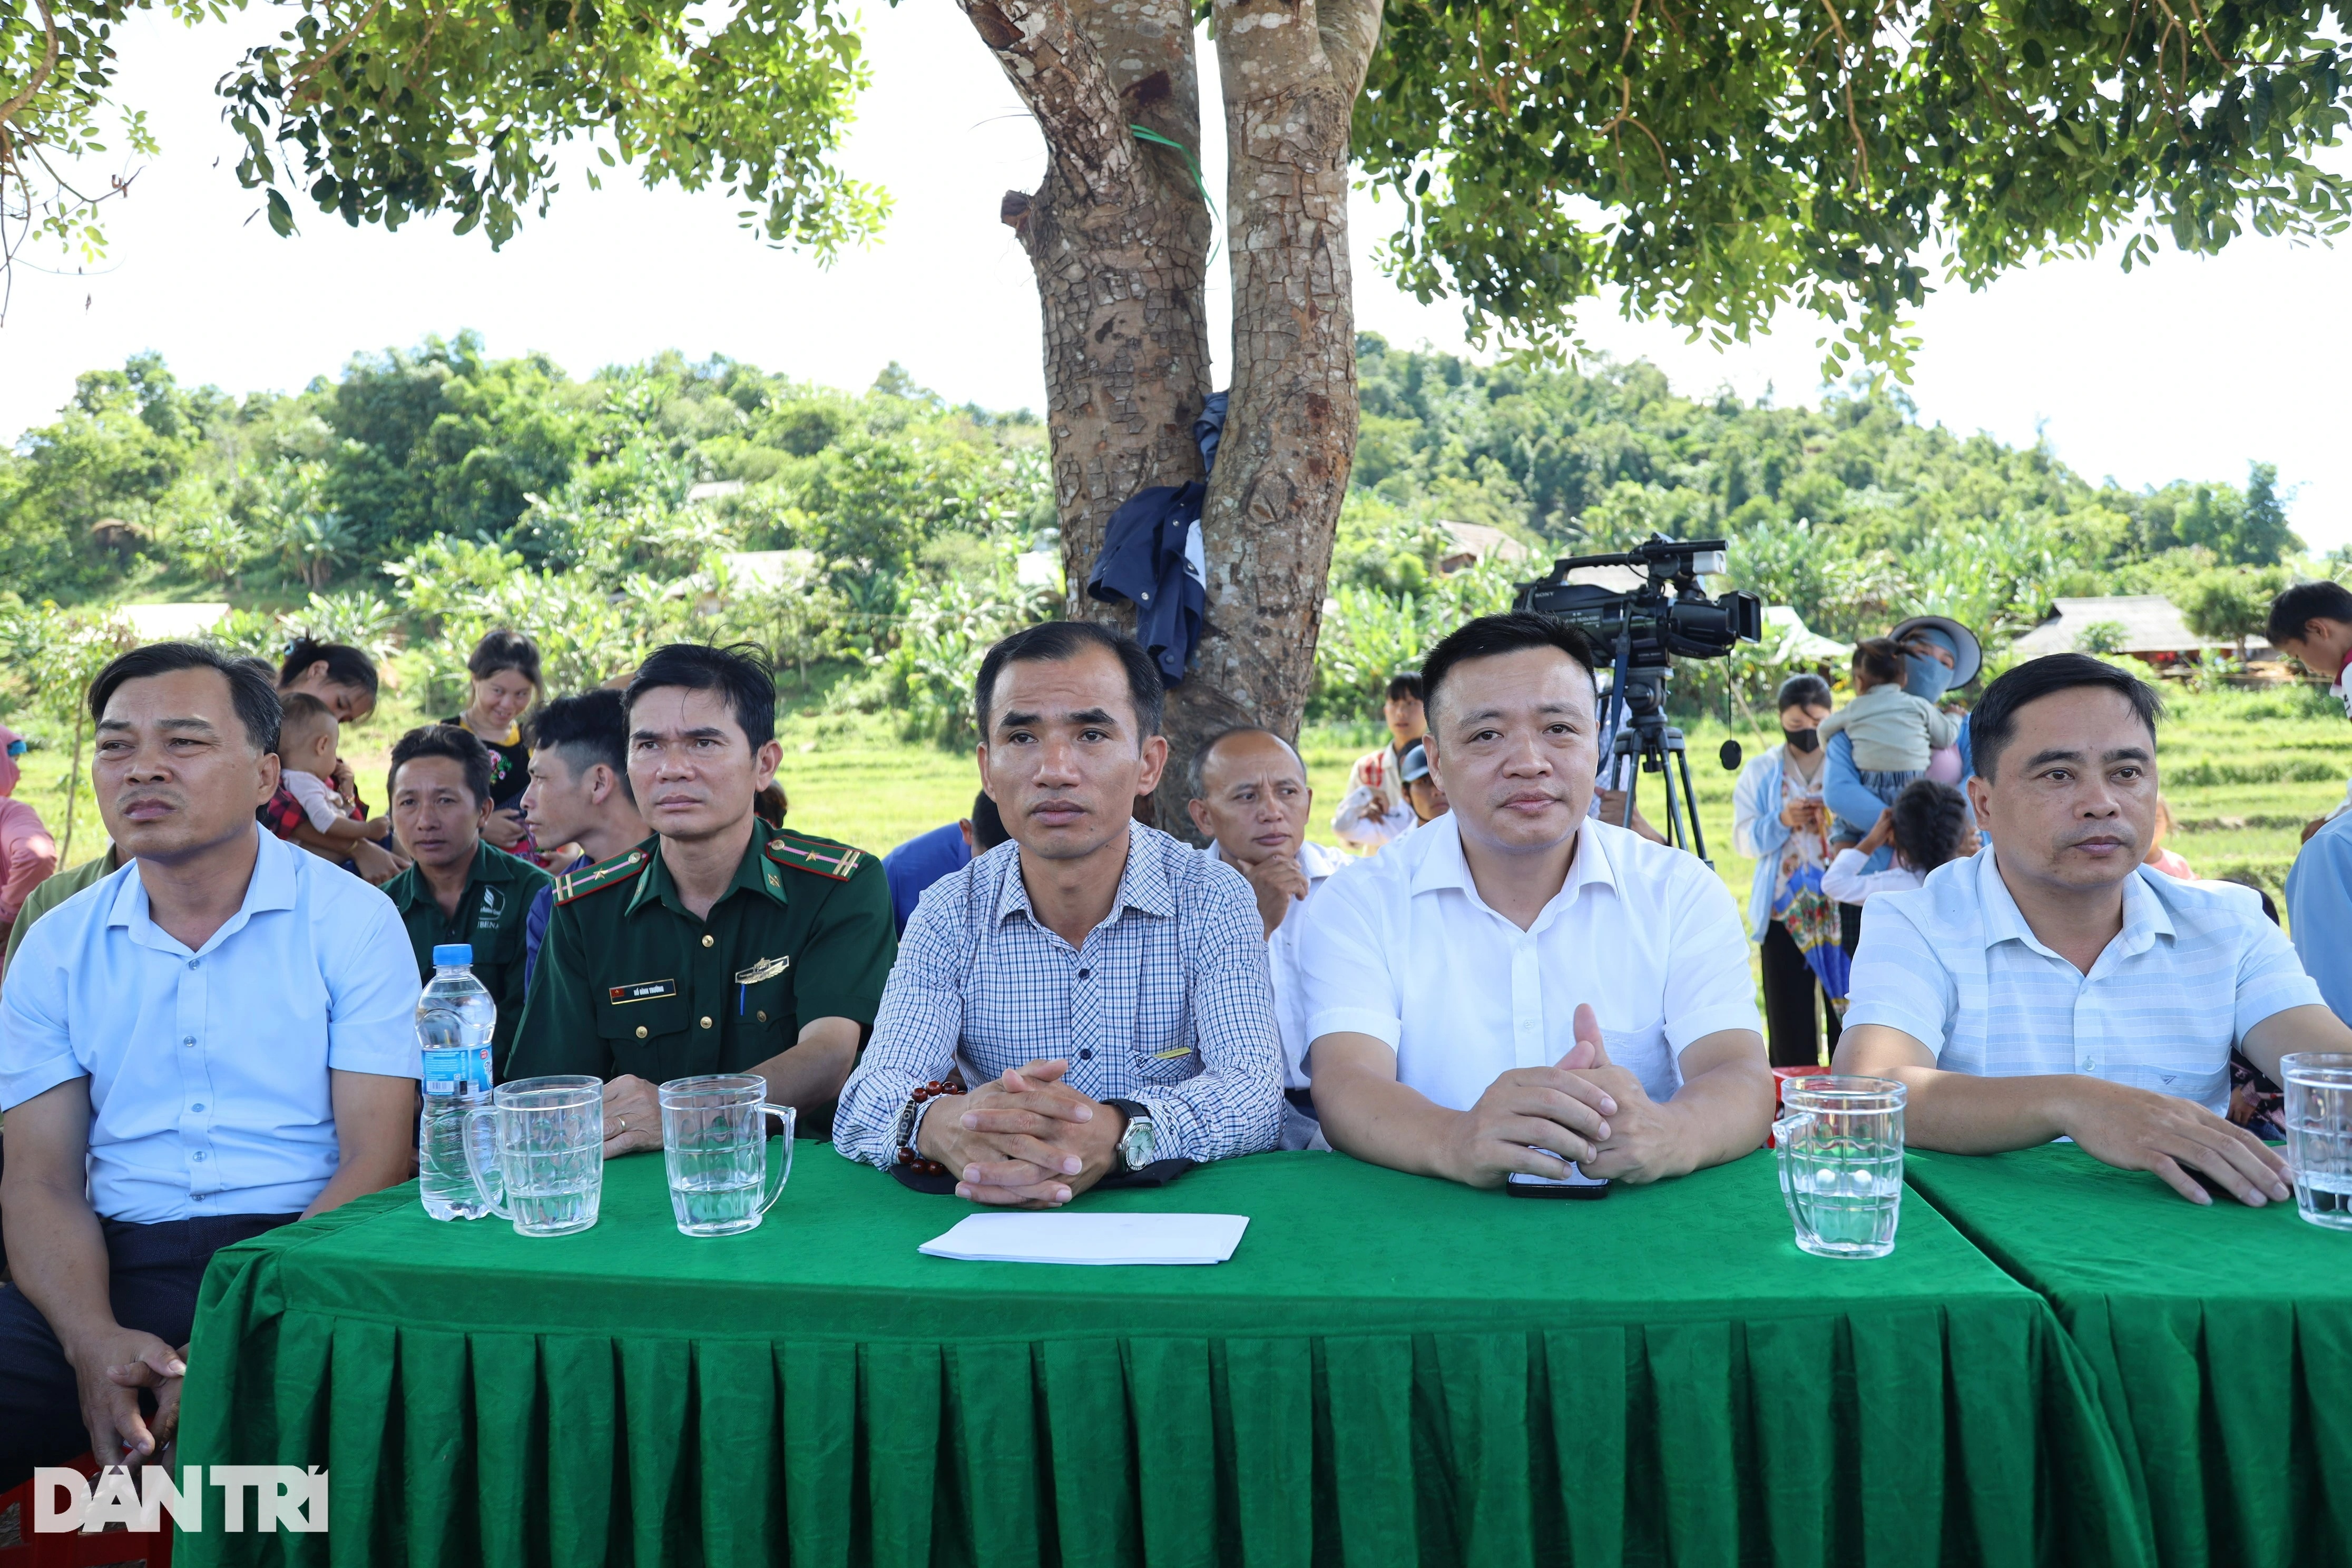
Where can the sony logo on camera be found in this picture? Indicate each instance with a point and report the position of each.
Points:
(285, 1496)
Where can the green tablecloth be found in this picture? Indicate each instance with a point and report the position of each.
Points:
(2221, 1337)
(1390, 1369)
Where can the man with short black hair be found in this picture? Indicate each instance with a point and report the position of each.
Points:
(1517, 985)
(210, 1042)
(720, 944)
(460, 889)
(2311, 622)
(578, 795)
(1250, 799)
(1104, 986)
(2052, 985)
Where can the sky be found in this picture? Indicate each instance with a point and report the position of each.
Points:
(2191, 368)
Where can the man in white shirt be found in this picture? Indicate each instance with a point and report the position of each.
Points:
(2052, 985)
(1250, 800)
(1517, 985)
(214, 1040)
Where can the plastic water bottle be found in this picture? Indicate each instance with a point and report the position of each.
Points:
(454, 1021)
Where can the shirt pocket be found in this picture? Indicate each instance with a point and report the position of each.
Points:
(766, 1007)
(643, 1018)
(1642, 1051)
(1168, 1061)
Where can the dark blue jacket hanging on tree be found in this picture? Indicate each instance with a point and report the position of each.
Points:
(1151, 556)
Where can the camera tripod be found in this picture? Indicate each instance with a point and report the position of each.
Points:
(1637, 701)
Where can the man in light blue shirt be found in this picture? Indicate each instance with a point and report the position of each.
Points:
(2319, 911)
(2052, 985)
(214, 1040)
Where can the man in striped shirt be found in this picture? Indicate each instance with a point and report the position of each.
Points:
(1101, 988)
(2052, 985)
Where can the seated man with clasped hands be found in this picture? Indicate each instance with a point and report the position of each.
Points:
(1517, 985)
(2054, 986)
(1101, 987)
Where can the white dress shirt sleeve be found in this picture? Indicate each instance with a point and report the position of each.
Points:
(36, 1048)
(1845, 879)
(1709, 987)
(1898, 979)
(1343, 960)
(371, 992)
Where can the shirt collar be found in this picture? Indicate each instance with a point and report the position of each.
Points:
(271, 887)
(755, 873)
(1441, 864)
(489, 865)
(1142, 881)
(2145, 915)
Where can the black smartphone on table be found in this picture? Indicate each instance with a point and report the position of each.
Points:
(1575, 1185)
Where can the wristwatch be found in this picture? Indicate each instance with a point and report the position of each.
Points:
(1138, 1144)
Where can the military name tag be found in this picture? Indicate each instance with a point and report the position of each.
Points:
(644, 991)
(766, 969)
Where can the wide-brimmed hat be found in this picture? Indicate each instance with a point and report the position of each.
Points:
(1968, 653)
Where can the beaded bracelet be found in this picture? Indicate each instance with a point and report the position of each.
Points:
(908, 1156)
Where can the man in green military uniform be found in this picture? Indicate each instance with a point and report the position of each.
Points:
(460, 889)
(719, 944)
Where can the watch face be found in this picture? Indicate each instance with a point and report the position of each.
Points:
(1135, 1147)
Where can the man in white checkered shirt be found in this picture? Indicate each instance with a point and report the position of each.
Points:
(1101, 987)
(2054, 986)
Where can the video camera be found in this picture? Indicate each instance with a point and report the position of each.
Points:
(1636, 630)
(1669, 614)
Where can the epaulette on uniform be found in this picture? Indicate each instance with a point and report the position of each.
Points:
(825, 856)
(602, 875)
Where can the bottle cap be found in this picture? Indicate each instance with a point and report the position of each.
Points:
(449, 953)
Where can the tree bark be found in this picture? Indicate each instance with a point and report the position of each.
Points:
(1118, 237)
(1291, 70)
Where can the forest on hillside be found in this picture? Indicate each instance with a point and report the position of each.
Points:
(423, 494)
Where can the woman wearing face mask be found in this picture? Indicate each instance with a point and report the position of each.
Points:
(1939, 655)
(505, 672)
(1778, 818)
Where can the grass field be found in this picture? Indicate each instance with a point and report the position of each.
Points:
(2243, 770)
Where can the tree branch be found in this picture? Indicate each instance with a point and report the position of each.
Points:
(1061, 78)
(40, 72)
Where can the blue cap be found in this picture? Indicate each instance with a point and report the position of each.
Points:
(450, 953)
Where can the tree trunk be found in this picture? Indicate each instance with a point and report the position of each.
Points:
(1117, 237)
(1291, 70)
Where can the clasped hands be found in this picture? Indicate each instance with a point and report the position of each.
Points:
(1023, 1139)
(1584, 1107)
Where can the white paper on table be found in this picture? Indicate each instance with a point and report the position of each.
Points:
(1091, 1238)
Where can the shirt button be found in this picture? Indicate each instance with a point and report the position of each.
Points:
(706, 1021)
(197, 1106)
(763, 1017)
(200, 1154)
(641, 1031)
(711, 941)
(189, 1041)
(1087, 1055)
(1084, 972)
(193, 962)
